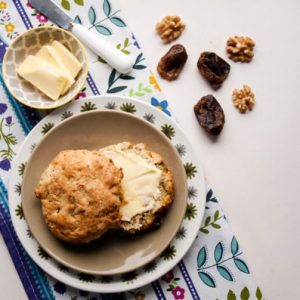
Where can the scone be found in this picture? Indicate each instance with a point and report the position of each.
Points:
(148, 188)
(80, 193)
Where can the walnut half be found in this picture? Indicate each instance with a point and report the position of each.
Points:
(243, 99)
(170, 28)
(240, 48)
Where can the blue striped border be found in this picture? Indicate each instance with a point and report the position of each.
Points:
(188, 280)
(31, 276)
(22, 13)
(92, 85)
(158, 290)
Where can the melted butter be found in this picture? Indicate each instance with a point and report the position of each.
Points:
(140, 182)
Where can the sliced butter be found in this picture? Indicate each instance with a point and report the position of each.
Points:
(69, 60)
(140, 183)
(49, 54)
(43, 76)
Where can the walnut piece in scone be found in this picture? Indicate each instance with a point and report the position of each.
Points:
(240, 48)
(243, 99)
(170, 28)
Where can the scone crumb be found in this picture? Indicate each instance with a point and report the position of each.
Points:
(240, 48)
(170, 28)
(243, 99)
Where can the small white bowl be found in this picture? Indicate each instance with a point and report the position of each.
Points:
(29, 43)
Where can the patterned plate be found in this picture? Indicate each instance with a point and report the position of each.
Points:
(177, 248)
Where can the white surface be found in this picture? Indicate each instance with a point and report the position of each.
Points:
(254, 165)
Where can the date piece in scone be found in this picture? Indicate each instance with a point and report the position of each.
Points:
(80, 194)
(147, 185)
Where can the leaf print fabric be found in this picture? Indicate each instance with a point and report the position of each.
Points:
(219, 263)
(215, 266)
(8, 140)
(221, 266)
(162, 105)
(8, 27)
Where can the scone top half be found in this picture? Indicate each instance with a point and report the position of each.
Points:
(148, 187)
(81, 195)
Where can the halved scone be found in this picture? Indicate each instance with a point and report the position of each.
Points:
(148, 188)
(81, 196)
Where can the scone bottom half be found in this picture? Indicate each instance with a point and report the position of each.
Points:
(145, 171)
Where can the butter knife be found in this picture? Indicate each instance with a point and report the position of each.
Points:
(115, 58)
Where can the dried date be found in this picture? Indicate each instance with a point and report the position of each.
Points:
(210, 114)
(172, 63)
(213, 68)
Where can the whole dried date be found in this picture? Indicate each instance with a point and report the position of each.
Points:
(210, 114)
(213, 68)
(171, 64)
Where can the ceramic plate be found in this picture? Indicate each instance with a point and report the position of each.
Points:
(177, 247)
(113, 253)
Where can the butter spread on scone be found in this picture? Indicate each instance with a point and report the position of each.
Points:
(140, 182)
(147, 185)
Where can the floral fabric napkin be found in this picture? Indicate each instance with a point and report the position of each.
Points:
(215, 266)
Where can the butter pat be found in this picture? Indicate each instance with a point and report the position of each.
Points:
(50, 55)
(52, 70)
(140, 183)
(69, 60)
(48, 79)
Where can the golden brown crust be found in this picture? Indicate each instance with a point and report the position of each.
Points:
(80, 194)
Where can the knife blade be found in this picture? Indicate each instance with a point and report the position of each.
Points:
(53, 12)
(115, 58)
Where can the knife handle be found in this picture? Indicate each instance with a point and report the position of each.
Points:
(115, 58)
